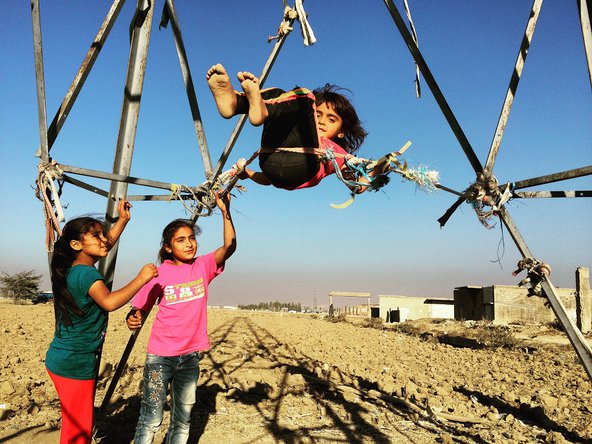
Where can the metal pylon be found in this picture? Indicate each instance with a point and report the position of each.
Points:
(120, 176)
(486, 186)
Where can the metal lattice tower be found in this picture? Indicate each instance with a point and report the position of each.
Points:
(485, 194)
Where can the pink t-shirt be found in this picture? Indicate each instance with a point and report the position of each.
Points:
(181, 291)
(326, 168)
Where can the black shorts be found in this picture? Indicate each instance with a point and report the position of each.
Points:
(288, 170)
(290, 124)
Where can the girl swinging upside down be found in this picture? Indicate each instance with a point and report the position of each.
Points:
(299, 126)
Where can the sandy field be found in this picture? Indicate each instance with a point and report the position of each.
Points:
(291, 378)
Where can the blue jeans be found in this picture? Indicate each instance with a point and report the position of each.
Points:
(182, 373)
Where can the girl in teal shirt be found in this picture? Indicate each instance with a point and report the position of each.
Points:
(82, 301)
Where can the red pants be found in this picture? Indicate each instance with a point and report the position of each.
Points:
(77, 399)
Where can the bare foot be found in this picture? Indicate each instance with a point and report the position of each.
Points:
(222, 89)
(257, 108)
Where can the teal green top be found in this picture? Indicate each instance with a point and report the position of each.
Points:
(74, 350)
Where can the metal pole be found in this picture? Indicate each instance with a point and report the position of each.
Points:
(117, 177)
(449, 190)
(575, 336)
(157, 197)
(262, 78)
(425, 71)
(85, 186)
(119, 370)
(40, 76)
(573, 333)
(513, 230)
(40, 80)
(555, 177)
(509, 100)
(129, 120)
(197, 123)
(545, 194)
(125, 142)
(585, 9)
(242, 119)
(85, 68)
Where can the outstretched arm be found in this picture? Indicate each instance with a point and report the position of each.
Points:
(112, 300)
(123, 209)
(256, 176)
(229, 247)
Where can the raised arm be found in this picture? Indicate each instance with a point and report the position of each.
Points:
(112, 300)
(229, 247)
(123, 209)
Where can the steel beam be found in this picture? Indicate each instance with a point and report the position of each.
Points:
(449, 190)
(118, 177)
(119, 370)
(555, 177)
(197, 123)
(513, 230)
(40, 77)
(243, 118)
(85, 186)
(136, 69)
(129, 119)
(431, 82)
(545, 194)
(157, 197)
(241, 121)
(85, 68)
(585, 9)
(509, 100)
(575, 336)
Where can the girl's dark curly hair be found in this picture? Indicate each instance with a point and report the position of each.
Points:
(354, 134)
(168, 233)
(61, 261)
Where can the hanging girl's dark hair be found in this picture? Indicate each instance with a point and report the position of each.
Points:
(168, 233)
(351, 127)
(61, 260)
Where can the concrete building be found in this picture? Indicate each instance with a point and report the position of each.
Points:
(505, 304)
(402, 308)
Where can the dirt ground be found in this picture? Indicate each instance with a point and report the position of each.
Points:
(291, 378)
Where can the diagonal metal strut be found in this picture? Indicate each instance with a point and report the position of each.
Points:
(509, 100)
(573, 333)
(431, 82)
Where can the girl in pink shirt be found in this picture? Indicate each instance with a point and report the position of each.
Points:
(179, 331)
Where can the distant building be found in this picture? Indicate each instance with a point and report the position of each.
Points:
(402, 308)
(506, 304)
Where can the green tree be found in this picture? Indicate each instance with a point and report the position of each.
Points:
(20, 286)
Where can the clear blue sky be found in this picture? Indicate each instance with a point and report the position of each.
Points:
(292, 245)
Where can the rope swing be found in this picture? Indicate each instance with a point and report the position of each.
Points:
(356, 173)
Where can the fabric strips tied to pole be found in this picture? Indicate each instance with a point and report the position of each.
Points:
(47, 193)
(307, 32)
(362, 168)
(291, 14)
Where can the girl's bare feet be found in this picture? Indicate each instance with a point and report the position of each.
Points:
(257, 109)
(222, 89)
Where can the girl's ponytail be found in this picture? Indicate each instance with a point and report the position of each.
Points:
(62, 259)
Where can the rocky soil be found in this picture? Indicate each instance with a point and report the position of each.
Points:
(272, 378)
